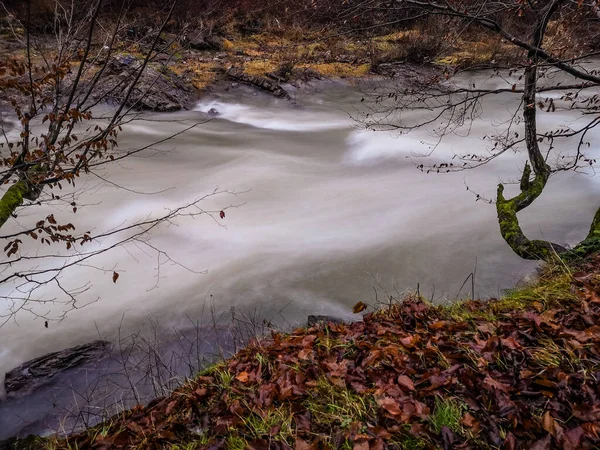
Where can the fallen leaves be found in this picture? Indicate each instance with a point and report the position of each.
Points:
(526, 379)
(243, 377)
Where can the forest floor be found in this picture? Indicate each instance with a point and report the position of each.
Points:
(516, 372)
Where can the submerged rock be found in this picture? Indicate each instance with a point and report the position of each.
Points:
(37, 372)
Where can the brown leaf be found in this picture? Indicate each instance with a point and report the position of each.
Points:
(372, 358)
(591, 429)
(468, 420)
(377, 445)
(115, 277)
(486, 328)
(550, 425)
(359, 307)
(200, 392)
(390, 405)
(305, 354)
(410, 341)
(510, 443)
(490, 382)
(222, 214)
(587, 413)
(543, 444)
(381, 432)
(243, 377)
(303, 421)
(170, 407)
(545, 382)
(266, 394)
(571, 440)
(258, 444)
(166, 435)
(406, 382)
(236, 408)
(301, 444)
(511, 343)
(361, 444)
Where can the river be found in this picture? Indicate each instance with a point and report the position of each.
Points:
(327, 215)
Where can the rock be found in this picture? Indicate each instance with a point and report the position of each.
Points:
(37, 372)
(213, 112)
(316, 320)
(260, 82)
(206, 43)
(158, 89)
(310, 74)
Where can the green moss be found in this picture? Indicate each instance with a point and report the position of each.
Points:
(583, 249)
(510, 229)
(11, 200)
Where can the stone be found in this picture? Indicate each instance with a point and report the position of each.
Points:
(213, 112)
(158, 89)
(261, 83)
(206, 43)
(35, 373)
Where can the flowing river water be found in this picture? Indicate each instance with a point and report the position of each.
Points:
(328, 215)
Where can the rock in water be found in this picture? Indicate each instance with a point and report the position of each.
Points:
(260, 83)
(37, 372)
(158, 88)
(213, 112)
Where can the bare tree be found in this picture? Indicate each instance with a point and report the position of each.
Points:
(541, 67)
(60, 139)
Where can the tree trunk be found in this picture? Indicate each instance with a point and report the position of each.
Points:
(530, 190)
(11, 200)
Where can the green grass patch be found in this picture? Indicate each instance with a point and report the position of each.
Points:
(448, 412)
(333, 406)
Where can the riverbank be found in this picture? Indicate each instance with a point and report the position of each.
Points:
(514, 372)
(190, 64)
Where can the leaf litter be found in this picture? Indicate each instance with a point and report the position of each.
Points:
(410, 376)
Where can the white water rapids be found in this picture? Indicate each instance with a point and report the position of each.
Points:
(330, 215)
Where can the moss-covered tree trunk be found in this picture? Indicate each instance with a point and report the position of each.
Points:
(11, 200)
(507, 209)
